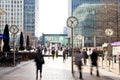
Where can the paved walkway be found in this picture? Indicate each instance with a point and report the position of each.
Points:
(53, 70)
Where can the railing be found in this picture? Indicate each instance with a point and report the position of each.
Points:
(6, 59)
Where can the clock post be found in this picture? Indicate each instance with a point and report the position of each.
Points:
(109, 33)
(14, 30)
(71, 23)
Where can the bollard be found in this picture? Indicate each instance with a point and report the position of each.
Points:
(112, 62)
(109, 64)
(102, 60)
(119, 64)
(114, 58)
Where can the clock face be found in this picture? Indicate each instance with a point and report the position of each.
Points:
(14, 29)
(72, 22)
(109, 32)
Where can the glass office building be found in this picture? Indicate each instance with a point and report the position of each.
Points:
(55, 39)
(14, 13)
(76, 3)
(86, 11)
(21, 13)
(30, 16)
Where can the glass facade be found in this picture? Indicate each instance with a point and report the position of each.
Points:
(13, 16)
(55, 38)
(29, 16)
(76, 3)
(86, 11)
(14, 13)
(20, 13)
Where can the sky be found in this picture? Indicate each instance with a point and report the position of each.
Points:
(52, 16)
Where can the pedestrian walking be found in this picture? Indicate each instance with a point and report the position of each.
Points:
(85, 55)
(67, 53)
(39, 60)
(94, 62)
(78, 62)
(56, 53)
(45, 50)
(53, 53)
(64, 55)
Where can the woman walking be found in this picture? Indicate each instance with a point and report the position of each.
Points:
(39, 60)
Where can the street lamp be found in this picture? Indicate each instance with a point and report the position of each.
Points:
(71, 23)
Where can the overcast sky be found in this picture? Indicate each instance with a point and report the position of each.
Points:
(52, 16)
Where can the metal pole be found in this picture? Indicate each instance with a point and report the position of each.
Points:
(119, 64)
(94, 40)
(109, 51)
(72, 51)
(102, 60)
(14, 49)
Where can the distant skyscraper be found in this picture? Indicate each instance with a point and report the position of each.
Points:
(30, 16)
(65, 31)
(22, 13)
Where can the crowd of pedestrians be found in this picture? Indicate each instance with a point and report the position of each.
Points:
(81, 58)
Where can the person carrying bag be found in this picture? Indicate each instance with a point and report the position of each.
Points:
(39, 60)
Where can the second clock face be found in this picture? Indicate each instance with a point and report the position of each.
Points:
(14, 29)
(72, 21)
(109, 32)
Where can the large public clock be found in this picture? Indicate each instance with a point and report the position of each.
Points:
(109, 32)
(72, 22)
(14, 29)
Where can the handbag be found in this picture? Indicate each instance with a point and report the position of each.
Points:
(42, 60)
(39, 59)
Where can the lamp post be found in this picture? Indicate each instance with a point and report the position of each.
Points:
(71, 23)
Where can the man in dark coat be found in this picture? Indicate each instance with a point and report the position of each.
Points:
(78, 62)
(85, 55)
(39, 60)
(94, 59)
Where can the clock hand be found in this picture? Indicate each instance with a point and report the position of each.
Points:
(71, 21)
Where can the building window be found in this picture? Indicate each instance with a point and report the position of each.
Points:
(15, 2)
